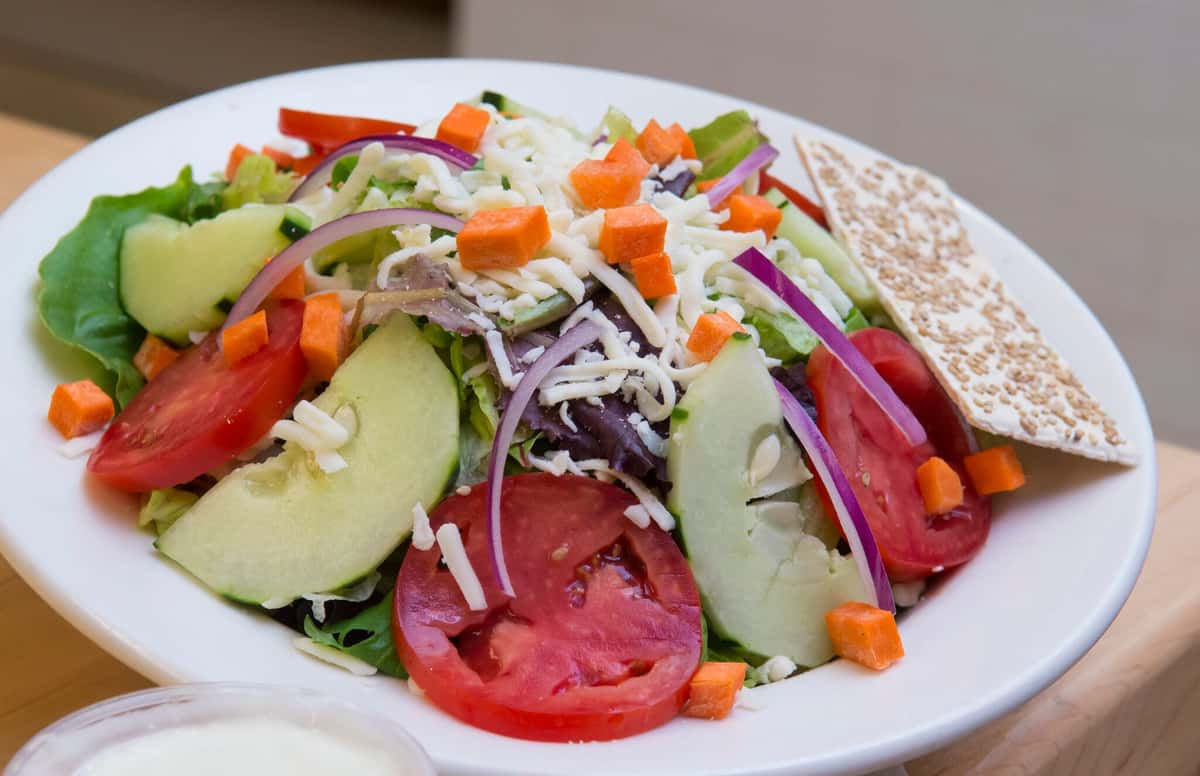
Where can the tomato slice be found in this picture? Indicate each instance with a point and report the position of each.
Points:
(599, 643)
(327, 131)
(766, 182)
(199, 412)
(882, 466)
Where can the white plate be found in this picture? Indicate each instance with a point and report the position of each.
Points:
(1062, 556)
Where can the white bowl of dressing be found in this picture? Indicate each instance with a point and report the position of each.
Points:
(226, 728)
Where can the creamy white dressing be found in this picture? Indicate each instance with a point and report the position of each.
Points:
(255, 746)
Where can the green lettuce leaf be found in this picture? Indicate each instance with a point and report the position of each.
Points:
(783, 336)
(616, 125)
(724, 142)
(80, 302)
(164, 507)
(366, 636)
(856, 320)
(257, 180)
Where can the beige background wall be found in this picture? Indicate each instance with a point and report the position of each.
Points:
(1075, 123)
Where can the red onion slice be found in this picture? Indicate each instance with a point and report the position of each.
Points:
(850, 516)
(757, 159)
(765, 271)
(578, 336)
(418, 145)
(327, 234)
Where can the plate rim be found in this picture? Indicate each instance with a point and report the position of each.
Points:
(888, 750)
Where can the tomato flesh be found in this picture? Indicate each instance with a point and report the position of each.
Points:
(199, 412)
(882, 466)
(599, 643)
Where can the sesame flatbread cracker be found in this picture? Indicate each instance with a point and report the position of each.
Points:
(902, 226)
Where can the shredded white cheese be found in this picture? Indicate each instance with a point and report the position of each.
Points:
(328, 654)
(357, 593)
(422, 532)
(317, 433)
(776, 669)
(449, 542)
(495, 344)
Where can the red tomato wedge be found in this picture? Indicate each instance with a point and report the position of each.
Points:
(882, 466)
(199, 412)
(766, 182)
(599, 643)
(327, 131)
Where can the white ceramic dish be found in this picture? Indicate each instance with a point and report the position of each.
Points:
(1062, 557)
(71, 744)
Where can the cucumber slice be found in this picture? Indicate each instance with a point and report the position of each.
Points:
(295, 224)
(275, 530)
(766, 575)
(174, 277)
(816, 243)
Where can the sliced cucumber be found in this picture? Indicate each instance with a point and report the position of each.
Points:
(174, 277)
(816, 243)
(276, 530)
(766, 575)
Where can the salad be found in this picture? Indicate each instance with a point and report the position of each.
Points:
(575, 431)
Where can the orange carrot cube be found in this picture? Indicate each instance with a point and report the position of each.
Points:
(710, 334)
(658, 145)
(632, 231)
(653, 275)
(687, 149)
(941, 488)
(864, 634)
(995, 470)
(624, 154)
(464, 126)
(503, 239)
(153, 356)
(748, 212)
(236, 155)
(244, 338)
(291, 287)
(600, 184)
(713, 690)
(79, 408)
(323, 335)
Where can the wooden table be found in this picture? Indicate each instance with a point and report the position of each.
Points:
(1129, 706)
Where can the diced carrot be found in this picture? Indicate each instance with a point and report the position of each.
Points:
(748, 212)
(711, 332)
(687, 149)
(658, 145)
(864, 634)
(941, 488)
(464, 126)
(291, 287)
(713, 690)
(703, 186)
(322, 335)
(153, 356)
(244, 338)
(995, 470)
(303, 165)
(629, 232)
(604, 184)
(79, 408)
(283, 160)
(503, 239)
(653, 275)
(236, 155)
(625, 154)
